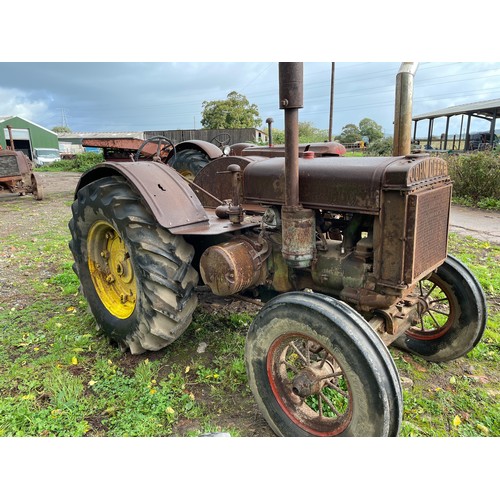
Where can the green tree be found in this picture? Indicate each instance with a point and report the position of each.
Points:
(381, 147)
(309, 133)
(371, 129)
(350, 133)
(61, 130)
(233, 112)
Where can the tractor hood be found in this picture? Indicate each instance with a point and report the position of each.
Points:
(342, 183)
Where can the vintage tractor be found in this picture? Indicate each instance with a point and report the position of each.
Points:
(17, 176)
(346, 254)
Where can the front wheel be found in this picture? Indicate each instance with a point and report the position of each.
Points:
(317, 368)
(136, 276)
(452, 316)
(37, 186)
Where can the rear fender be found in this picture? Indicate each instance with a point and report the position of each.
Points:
(163, 190)
(211, 150)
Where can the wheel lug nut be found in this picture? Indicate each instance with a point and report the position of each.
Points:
(105, 254)
(110, 278)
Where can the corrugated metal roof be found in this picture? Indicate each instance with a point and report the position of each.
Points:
(484, 108)
(101, 135)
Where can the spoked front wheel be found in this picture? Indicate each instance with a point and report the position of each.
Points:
(452, 314)
(317, 368)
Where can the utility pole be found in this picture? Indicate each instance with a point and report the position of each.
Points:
(64, 122)
(330, 128)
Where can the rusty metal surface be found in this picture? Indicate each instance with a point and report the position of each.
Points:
(291, 88)
(319, 149)
(416, 170)
(216, 179)
(121, 147)
(232, 266)
(16, 172)
(427, 235)
(299, 233)
(403, 108)
(341, 183)
(238, 148)
(329, 183)
(211, 150)
(14, 163)
(169, 197)
(216, 225)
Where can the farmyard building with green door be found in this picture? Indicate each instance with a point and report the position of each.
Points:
(27, 135)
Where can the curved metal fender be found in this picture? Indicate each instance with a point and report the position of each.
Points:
(165, 192)
(211, 150)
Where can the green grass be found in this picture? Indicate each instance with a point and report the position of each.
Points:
(459, 398)
(60, 377)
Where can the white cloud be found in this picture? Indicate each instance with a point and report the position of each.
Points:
(15, 102)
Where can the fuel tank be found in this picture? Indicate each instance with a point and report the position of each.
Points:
(345, 184)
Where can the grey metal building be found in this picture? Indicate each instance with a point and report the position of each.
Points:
(486, 110)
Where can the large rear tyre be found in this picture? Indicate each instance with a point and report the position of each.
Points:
(317, 368)
(136, 276)
(189, 162)
(453, 315)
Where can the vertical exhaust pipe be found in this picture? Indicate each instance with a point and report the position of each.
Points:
(298, 223)
(403, 109)
(269, 122)
(291, 80)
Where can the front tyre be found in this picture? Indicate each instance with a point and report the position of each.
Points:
(452, 315)
(317, 368)
(136, 276)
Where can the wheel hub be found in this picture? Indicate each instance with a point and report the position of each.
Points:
(422, 305)
(312, 379)
(111, 270)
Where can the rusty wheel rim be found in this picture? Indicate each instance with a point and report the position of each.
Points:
(437, 310)
(309, 385)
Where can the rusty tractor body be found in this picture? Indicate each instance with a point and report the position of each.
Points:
(17, 175)
(346, 255)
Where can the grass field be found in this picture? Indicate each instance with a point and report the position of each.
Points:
(59, 377)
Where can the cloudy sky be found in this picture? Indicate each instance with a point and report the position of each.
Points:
(122, 96)
(62, 74)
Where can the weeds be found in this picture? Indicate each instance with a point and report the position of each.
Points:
(59, 377)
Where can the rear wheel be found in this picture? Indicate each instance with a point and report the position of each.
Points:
(189, 162)
(136, 276)
(452, 316)
(317, 368)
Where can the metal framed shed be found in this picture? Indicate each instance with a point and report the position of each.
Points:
(487, 110)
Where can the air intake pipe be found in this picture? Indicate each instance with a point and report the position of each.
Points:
(298, 223)
(403, 109)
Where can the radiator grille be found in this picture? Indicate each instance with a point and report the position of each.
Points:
(427, 231)
(9, 166)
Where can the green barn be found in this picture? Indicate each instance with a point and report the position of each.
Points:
(26, 135)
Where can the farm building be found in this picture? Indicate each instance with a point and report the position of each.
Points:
(484, 114)
(236, 135)
(27, 136)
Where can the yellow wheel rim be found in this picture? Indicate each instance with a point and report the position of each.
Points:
(111, 270)
(187, 174)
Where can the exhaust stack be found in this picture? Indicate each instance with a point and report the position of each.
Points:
(298, 223)
(403, 109)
